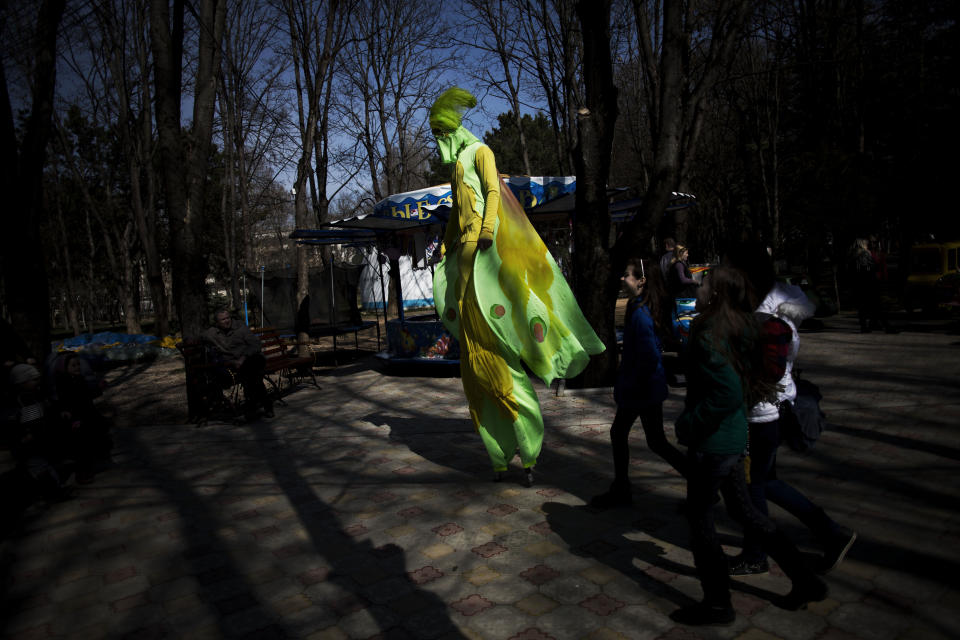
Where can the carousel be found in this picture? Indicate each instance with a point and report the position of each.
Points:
(405, 229)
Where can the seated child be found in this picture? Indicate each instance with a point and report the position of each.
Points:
(31, 433)
(86, 434)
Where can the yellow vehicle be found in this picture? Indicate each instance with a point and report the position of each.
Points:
(931, 265)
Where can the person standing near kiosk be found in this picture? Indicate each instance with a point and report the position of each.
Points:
(498, 290)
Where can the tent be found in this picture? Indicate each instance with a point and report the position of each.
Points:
(546, 199)
(431, 205)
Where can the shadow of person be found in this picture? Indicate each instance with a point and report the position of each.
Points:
(643, 561)
(449, 442)
(651, 561)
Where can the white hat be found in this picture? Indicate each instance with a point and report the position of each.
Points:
(22, 373)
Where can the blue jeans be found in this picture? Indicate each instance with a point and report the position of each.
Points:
(711, 474)
(764, 486)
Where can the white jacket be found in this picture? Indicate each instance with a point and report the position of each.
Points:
(789, 303)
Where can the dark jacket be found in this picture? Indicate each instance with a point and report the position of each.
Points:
(714, 418)
(680, 282)
(236, 342)
(641, 379)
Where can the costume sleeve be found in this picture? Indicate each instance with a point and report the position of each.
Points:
(490, 181)
(526, 301)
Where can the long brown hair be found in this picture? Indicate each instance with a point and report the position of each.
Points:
(734, 330)
(654, 296)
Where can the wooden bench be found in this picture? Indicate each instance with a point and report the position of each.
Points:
(281, 363)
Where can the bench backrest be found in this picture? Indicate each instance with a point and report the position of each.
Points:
(271, 344)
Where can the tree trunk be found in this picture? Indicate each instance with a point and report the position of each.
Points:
(595, 289)
(136, 139)
(21, 167)
(184, 173)
(309, 45)
(129, 289)
(70, 296)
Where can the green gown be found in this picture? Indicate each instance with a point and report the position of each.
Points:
(507, 305)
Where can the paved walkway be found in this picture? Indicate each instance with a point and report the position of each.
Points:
(365, 509)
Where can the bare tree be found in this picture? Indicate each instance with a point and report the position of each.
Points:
(94, 177)
(550, 43)
(316, 36)
(253, 121)
(495, 28)
(27, 298)
(111, 59)
(124, 29)
(758, 96)
(184, 155)
(388, 80)
(595, 123)
(696, 45)
(71, 296)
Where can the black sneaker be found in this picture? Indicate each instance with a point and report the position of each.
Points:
(804, 593)
(268, 409)
(742, 567)
(528, 477)
(701, 614)
(616, 496)
(836, 550)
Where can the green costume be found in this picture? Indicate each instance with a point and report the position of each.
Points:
(506, 304)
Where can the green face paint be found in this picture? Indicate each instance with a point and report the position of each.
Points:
(450, 144)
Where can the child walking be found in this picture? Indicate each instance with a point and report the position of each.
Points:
(724, 378)
(641, 385)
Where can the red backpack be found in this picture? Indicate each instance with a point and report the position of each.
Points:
(775, 338)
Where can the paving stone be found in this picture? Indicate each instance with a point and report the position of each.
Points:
(75, 588)
(501, 621)
(568, 622)
(639, 623)
(209, 540)
(83, 601)
(569, 589)
(798, 625)
(330, 633)
(125, 588)
(430, 623)
(870, 623)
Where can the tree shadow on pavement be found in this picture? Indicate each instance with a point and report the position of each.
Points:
(224, 588)
(375, 578)
(897, 441)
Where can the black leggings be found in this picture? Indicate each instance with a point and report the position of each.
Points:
(723, 473)
(651, 419)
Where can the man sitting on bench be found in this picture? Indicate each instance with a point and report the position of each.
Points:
(239, 349)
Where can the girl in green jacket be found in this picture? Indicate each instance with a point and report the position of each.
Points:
(723, 378)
